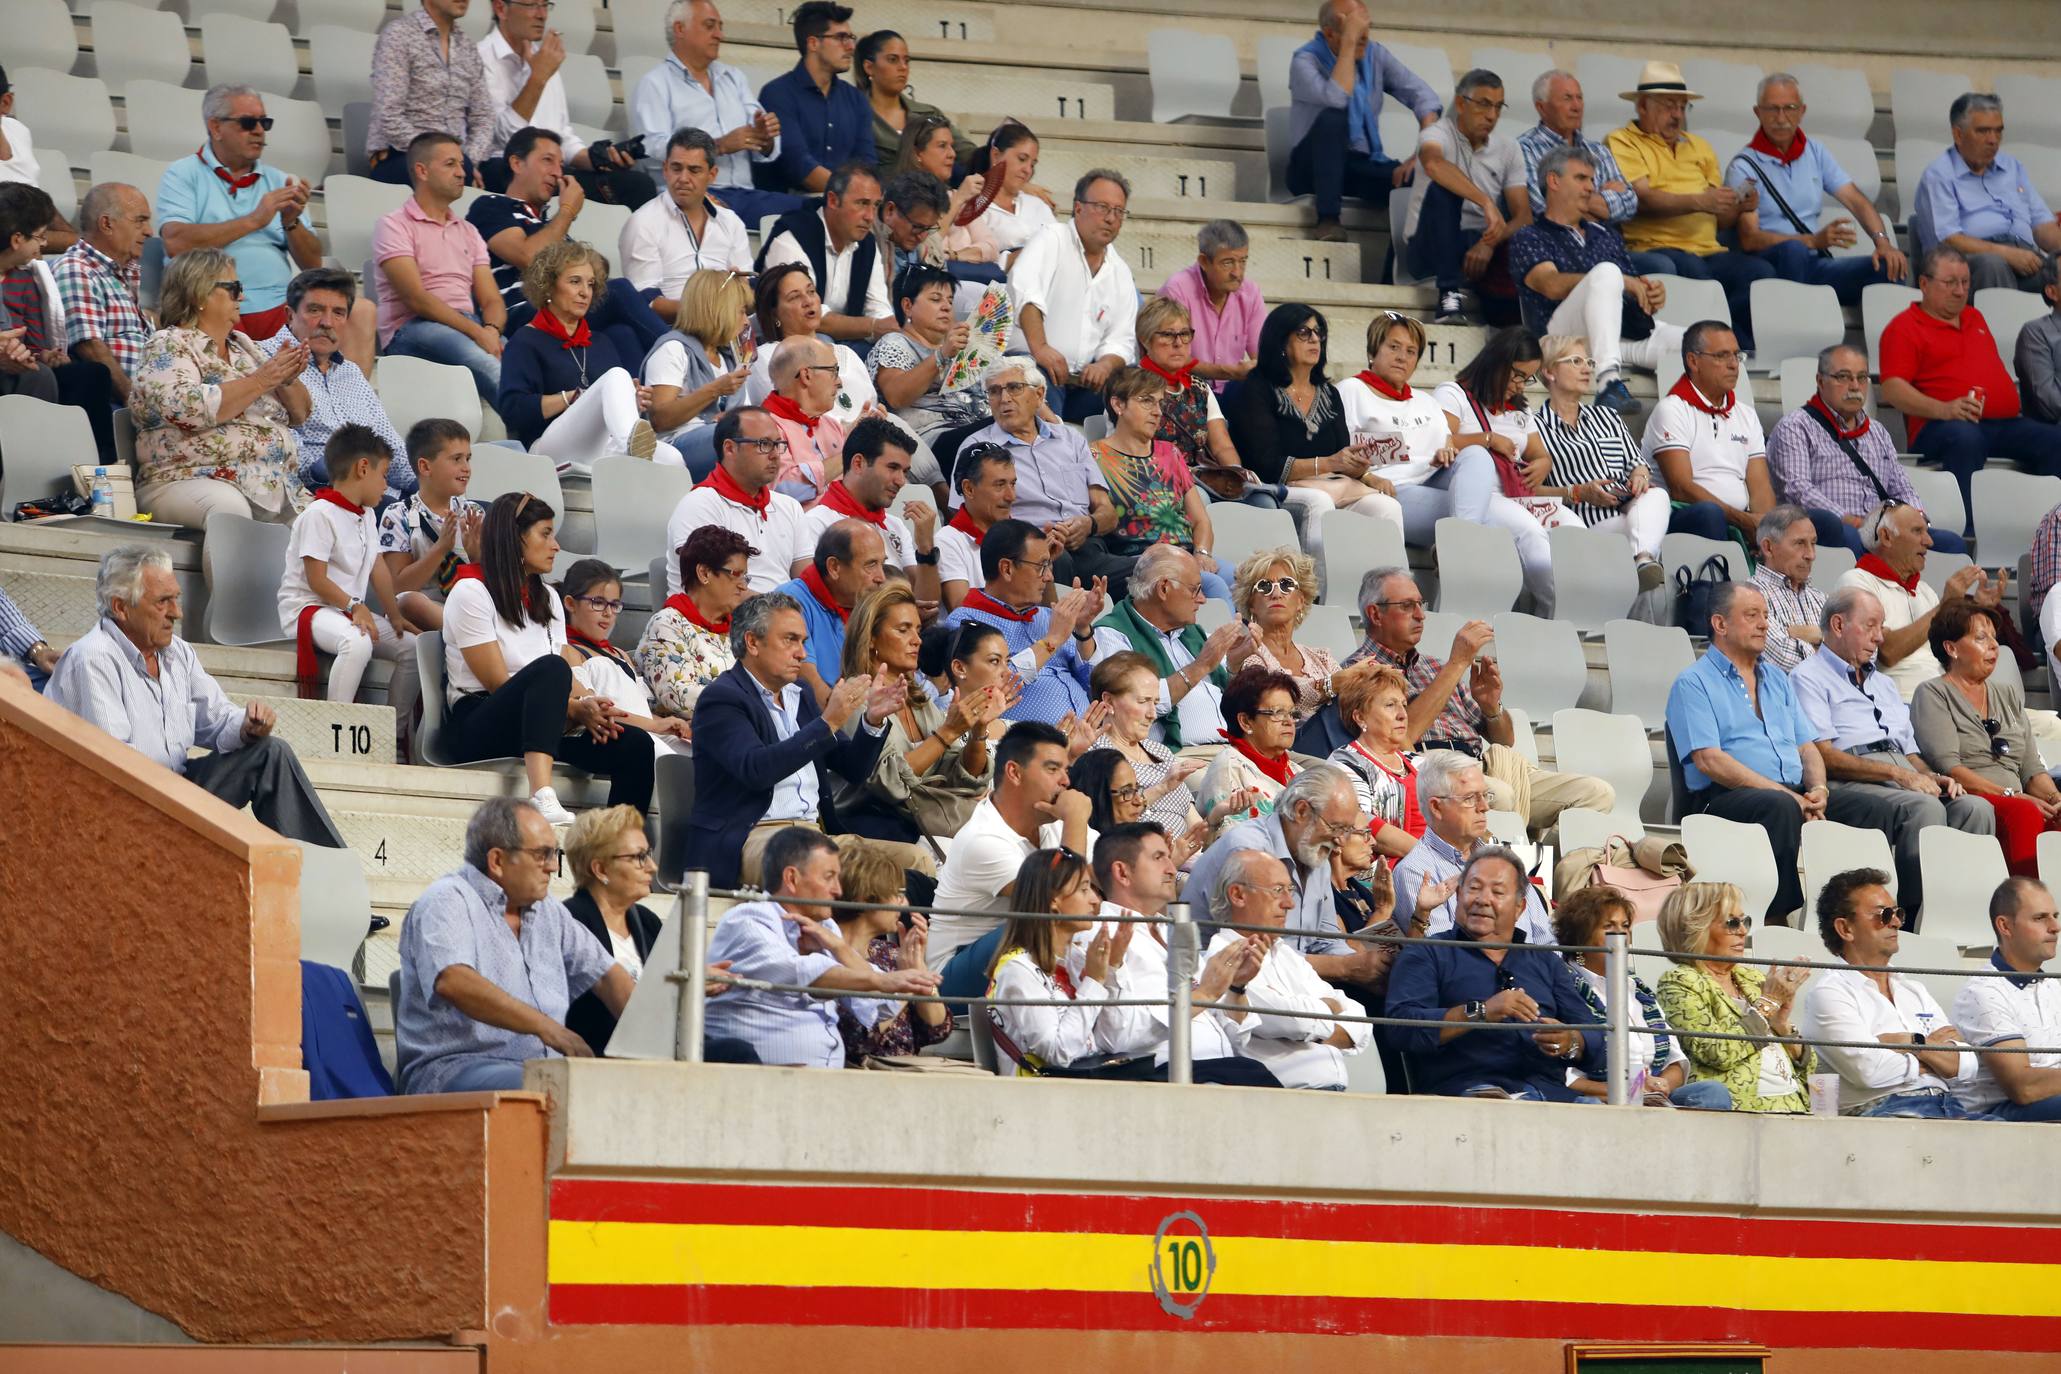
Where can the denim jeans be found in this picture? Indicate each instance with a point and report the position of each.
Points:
(487, 1076)
(1833, 530)
(1963, 447)
(440, 343)
(1440, 246)
(1795, 260)
(2047, 1109)
(1703, 1095)
(1930, 1105)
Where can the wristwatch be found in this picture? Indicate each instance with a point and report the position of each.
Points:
(927, 557)
(1239, 988)
(1477, 1011)
(1084, 636)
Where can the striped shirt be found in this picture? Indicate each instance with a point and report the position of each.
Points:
(17, 633)
(1595, 448)
(1787, 605)
(2046, 556)
(1539, 140)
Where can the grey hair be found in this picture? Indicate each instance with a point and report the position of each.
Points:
(1778, 522)
(496, 824)
(1841, 602)
(1439, 772)
(188, 281)
(1929, 261)
(676, 13)
(1311, 788)
(1095, 174)
(1221, 236)
(1760, 92)
(1725, 593)
(1477, 79)
(1871, 525)
(1237, 868)
(1542, 85)
(1377, 578)
(103, 202)
(215, 104)
(1014, 367)
(1827, 353)
(1158, 563)
(1556, 159)
(121, 575)
(755, 617)
(1972, 103)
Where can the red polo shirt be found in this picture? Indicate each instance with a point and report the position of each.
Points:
(1946, 360)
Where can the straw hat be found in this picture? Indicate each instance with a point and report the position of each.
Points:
(1660, 78)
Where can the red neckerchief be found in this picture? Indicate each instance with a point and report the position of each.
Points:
(1384, 388)
(1761, 143)
(779, 405)
(1064, 981)
(963, 523)
(839, 498)
(1872, 563)
(726, 487)
(1179, 381)
(684, 604)
(466, 572)
(337, 498)
(1832, 418)
(1686, 389)
(606, 650)
(579, 336)
(820, 589)
(229, 178)
(978, 600)
(1277, 769)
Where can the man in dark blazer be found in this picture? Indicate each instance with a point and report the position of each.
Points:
(760, 743)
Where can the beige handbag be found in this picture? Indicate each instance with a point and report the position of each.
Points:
(1645, 872)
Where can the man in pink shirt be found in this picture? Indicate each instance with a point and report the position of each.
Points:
(1224, 307)
(804, 373)
(437, 298)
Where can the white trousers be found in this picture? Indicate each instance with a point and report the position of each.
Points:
(334, 633)
(1595, 309)
(1643, 522)
(598, 424)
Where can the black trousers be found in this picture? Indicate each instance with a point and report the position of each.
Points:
(88, 385)
(1092, 560)
(1773, 811)
(526, 715)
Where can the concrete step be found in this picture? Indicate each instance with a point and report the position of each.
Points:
(415, 848)
(1181, 177)
(416, 790)
(357, 731)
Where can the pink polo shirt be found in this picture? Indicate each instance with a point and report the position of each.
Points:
(445, 253)
(1223, 338)
(814, 459)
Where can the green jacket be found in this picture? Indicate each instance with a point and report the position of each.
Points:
(1144, 636)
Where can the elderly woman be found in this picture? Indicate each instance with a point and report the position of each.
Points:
(930, 144)
(1189, 417)
(1374, 701)
(870, 872)
(611, 860)
(1274, 592)
(1149, 483)
(787, 306)
(1597, 468)
(593, 595)
(1974, 729)
(1259, 722)
(1701, 993)
(214, 417)
(696, 372)
(686, 643)
(1010, 206)
(880, 68)
(564, 391)
(1583, 919)
(1129, 683)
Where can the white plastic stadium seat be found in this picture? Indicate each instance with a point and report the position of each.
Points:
(639, 30)
(54, 175)
(497, 470)
(352, 206)
(1727, 89)
(1797, 380)
(1478, 572)
(1275, 121)
(1243, 531)
(1856, 156)
(1833, 562)
(1276, 57)
(1211, 614)
(1330, 627)
(1882, 302)
(2048, 851)
(143, 173)
(1191, 73)
(39, 442)
(1430, 63)
(341, 59)
(1611, 747)
(1939, 567)
(575, 24)
(249, 9)
(1961, 871)
(1829, 847)
(1399, 215)
(414, 389)
(633, 499)
(1583, 828)
(587, 90)
(1603, 76)
(1594, 580)
(134, 43)
(361, 16)
(40, 34)
(2008, 310)
(1353, 547)
(1544, 669)
(1842, 105)
(246, 52)
(69, 114)
(1912, 157)
(163, 120)
(1919, 99)
(1791, 320)
(1644, 662)
(1690, 300)
(1523, 738)
(1940, 495)
(2008, 508)
(1723, 851)
(299, 141)
(246, 559)
(601, 226)
(2032, 109)
(1519, 68)
(335, 902)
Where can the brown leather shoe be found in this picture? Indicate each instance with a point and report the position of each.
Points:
(1328, 231)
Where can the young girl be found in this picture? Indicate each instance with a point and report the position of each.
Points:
(425, 538)
(593, 596)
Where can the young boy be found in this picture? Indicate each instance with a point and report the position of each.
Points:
(332, 560)
(425, 537)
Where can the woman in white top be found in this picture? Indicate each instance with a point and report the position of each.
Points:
(510, 689)
(1597, 468)
(592, 593)
(1031, 967)
(697, 370)
(1010, 207)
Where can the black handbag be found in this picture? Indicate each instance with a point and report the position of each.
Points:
(1693, 592)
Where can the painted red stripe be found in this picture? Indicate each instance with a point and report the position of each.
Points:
(655, 1305)
(710, 1204)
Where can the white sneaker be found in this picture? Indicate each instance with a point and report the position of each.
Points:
(546, 801)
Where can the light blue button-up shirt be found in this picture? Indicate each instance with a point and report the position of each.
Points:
(1311, 91)
(1998, 204)
(668, 99)
(1708, 709)
(1804, 184)
(1848, 715)
(1053, 471)
(761, 940)
(341, 396)
(101, 678)
(1432, 860)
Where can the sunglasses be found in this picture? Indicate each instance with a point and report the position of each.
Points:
(1887, 915)
(1999, 747)
(247, 123)
(1309, 333)
(234, 288)
(1737, 923)
(1266, 586)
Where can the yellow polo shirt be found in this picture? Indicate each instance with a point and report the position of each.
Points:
(1687, 168)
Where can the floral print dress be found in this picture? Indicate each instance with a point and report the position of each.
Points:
(174, 402)
(1150, 493)
(678, 658)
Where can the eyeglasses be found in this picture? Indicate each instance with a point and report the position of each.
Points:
(249, 122)
(1576, 360)
(1311, 333)
(234, 288)
(846, 37)
(545, 854)
(1132, 793)
(1010, 389)
(546, 5)
(734, 574)
(1886, 915)
(1730, 355)
(1792, 110)
(643, 858)
(1281, 714)
(1497, 105)
(1844, 378)
(1043, 565)
(766, 447)
(1103, 208)
(1413, 605)
(815, 367)
(611, 605)
(1275, 890)
(1179, 336)
(1474, 801)
(1267, 586)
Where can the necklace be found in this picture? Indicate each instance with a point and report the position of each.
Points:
(580, 361)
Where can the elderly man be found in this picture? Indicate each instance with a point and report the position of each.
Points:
(671, 237)
(739, 496)
(1574, 276)
(1921, 1064)
(834, 240)
(98, 278)
(1892, 571)
(850, 560)
(804, 377)
(1467, 986)
(1707, 446)
(133, 676)
(1832, 459)
(1457, 702)
(823, 122)
(318, 306)
(1312, 812)
(491, 962)
(1941, 368)
(876, 468)
(1300, 1045)
(1878, 781)
(20, 640)
(1469, 197)
(1788, 544)
(2038, 354)
(2015, 1012)
(1981, 202)
(761, 742)
(437, 297)
(1452, 795)
(1734, 724)
(1557, 96)
(1683, 201)
(691, 90)
(520, 60)
(427, 78)
(984, 477)
(1336, 82)
(1797, 173)
(1158, 620)
(1225, 307)
(1074, 297)
(792, 939)
(1050, 647)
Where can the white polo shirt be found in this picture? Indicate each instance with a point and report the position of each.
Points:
(1900, 610)
(837, 267)
(1087, 315)
(984, 857)
(1406, 435)
(1720, 446)
(1845, 1005)
(958, 558)
(1992, 1010)
(777, 535)
(347, 543)
(657, 247)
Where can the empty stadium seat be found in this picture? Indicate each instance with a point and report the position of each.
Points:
(1912, 157)
(341, 60)
(429, 733)
(1276, 56)
(1727, 89)
(360, 16)
(1329, 627)
(1583, 828)
(1734, 852)
(1939, 567)
(2008, 310)
(1594, 580)
(414, 389)
(1192, 74)
(1882, 302)
(587, 91)
(1519, 68)
(135, 43)
(2008, 507)
(1833, 562)
(1690, 300)
(673, 791)
(352, 206)
(1961, 871)
(1353, 547)
(1644, 662)
(1544, 669)
(163, 119)
(1603, 76)
(56, 180)
(1940, 495)
(1524, 739)
(1275, 121)
(1478, 572)
(2048, 852)
(335, 905)
(1791, 320)
(39, 442)
(1398, 215)
(1857, 157)
(245, 52)
(246, 560)
(143, 173)
(1797, 379)
(1243, 531)
(299, 141)
(1829, 847)
(249, 9)
(70, 114)
(639, 31)
(1599, 744)
(1842, 105)
(2032, 109)
(40, 34)
(1919, 99)
(633, 500)
(496, 470)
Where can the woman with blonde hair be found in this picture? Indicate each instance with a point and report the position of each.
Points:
(564, 391)
(1374, 703)
(870, 872)
(1272, 595)
(1705, 994)
(611, 860)
(213, 415)
(1597, 467)
(697, 370)
(929, 145)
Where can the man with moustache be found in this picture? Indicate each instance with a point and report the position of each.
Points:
(318, 309)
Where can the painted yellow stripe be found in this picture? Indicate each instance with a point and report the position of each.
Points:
(832, 1256)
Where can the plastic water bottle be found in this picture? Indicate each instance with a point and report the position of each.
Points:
(103, 494)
